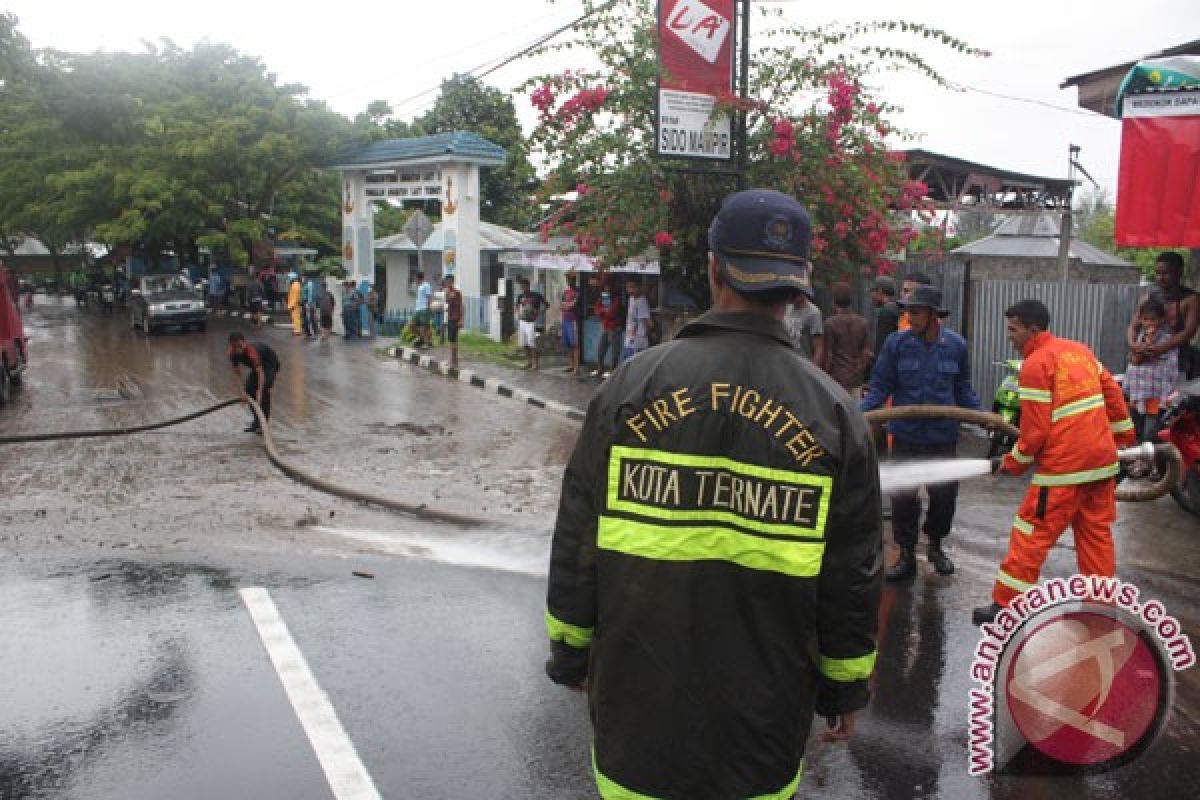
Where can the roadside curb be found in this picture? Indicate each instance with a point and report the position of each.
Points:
(491, 385)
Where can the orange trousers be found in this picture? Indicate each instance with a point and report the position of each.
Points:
(1089, 509)
(297, 326)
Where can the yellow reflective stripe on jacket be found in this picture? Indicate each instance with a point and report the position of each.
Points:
(1078, 407)
(1035, 395)
(1020, 457)
(1022, 526)
(1011, 582)
(572, 635)
(845, 670)
(1075, 478)
(774, 501)
(1122, 426)
(798, 558)
(611, 790)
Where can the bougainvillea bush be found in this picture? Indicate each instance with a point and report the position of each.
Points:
(816, 129)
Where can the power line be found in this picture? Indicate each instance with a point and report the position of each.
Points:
(487, 66)
(964, 87)
(440, 60)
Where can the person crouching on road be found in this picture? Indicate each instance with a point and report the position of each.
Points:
(924, 365)
(1073, 419)
(263, 364)
(708, 631)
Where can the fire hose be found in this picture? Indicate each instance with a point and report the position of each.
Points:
(1167, 455)
(291, 470)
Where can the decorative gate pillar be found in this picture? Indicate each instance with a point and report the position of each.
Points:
(460, 226)
(445, 167)
(358, 227)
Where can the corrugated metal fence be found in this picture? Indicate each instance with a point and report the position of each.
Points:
(1094, 314)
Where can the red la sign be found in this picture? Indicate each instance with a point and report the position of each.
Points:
(696, 45)
(700, 28)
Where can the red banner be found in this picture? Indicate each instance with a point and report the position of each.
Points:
(1158, 193)
(696, 45)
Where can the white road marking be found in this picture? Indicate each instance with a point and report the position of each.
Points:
(348, 778)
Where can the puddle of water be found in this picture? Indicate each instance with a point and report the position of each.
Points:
(526, 554)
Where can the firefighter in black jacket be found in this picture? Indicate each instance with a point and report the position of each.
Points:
(715, 571)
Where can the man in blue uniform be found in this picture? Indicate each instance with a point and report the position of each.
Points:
(924, 365)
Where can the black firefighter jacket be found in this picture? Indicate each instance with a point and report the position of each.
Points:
(716, 565)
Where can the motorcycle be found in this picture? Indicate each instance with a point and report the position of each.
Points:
(1006, 403)
(1181, 427)
(107, 297)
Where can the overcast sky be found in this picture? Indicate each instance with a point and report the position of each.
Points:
(352, 53)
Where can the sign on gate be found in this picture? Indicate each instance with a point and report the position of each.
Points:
(418, 228)
(696, 55)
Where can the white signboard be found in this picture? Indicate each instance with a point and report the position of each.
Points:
(688, 127)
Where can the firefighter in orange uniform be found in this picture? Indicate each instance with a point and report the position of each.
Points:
(1073, 419)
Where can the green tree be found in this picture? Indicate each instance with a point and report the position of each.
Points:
(1096, 224)
(168, 149)
(814, 131)
(466, 104)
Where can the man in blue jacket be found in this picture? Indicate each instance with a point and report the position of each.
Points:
(924, 365)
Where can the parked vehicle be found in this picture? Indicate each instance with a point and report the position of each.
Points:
(1006, 402)
(108, 297)
(160, 301)
(1181, 427)
(14, 354)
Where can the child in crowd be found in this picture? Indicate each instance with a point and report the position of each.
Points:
(1150, 379)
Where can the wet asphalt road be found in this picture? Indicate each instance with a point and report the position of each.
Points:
(131, 668)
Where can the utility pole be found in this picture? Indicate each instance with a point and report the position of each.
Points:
(743, 145)
(1065, 232)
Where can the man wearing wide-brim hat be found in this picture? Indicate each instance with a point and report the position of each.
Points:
(927, 364)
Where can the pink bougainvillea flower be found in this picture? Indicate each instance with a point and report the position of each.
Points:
(663, 239)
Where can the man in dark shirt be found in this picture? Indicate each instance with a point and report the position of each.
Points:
(263, 364)
(887, 314)
(454, 316)
(847, 343)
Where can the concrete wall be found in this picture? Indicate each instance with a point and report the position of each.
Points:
(1044, 270)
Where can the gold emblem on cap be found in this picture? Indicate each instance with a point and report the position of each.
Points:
(761, 277)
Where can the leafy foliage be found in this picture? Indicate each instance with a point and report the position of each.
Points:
(466, 104)
(813, 131)
(166, 149)
(1095, 223)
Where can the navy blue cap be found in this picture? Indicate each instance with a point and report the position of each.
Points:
(762, 238)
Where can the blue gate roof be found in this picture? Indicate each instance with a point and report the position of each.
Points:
(460, 144)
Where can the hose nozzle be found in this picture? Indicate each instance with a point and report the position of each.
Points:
(1143, 450)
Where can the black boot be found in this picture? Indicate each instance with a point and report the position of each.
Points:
(941, 562)
(985, 614)
(905, 567)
